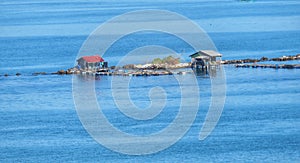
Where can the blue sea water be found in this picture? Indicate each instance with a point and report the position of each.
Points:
(261, 116)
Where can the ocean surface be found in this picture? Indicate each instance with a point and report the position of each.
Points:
(38, 120)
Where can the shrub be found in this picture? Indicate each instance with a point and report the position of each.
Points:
(167, 60)
(157, 61)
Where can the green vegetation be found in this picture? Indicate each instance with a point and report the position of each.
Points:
(167, 60)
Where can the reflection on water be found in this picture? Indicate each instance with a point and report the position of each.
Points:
(210, 72)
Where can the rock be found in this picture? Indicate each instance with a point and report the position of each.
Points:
(224, 62)
(61, 72)
(288, 66)
(264, 59)
(39, 73)
(182, 73)
(250, 60)
(130, 66)
(69, 72)
(77, 72)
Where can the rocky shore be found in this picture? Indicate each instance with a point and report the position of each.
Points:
(275, 66)
(262, 59)
(157, 66)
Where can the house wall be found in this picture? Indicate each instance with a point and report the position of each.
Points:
(92, 66)
(82, 64)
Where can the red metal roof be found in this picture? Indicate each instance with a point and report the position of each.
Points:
(92, 59)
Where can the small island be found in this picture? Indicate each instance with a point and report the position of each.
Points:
(204, 61)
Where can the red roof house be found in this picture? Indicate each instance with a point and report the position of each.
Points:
(93, 59)
(91, 62)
